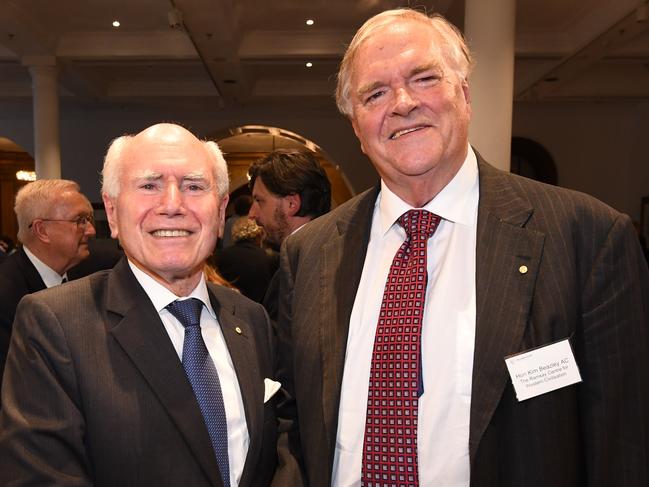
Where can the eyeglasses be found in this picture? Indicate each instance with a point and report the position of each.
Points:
(80, 221)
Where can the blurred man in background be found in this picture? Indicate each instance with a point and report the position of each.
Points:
(289, 189)
(55, 224)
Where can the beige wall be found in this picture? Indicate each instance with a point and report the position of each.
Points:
(598, 148)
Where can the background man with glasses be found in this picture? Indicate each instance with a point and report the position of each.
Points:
(54, 225)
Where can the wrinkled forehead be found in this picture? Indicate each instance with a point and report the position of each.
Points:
(154, 158)
(397, 38)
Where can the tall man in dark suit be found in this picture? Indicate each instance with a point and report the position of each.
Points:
(406, 383)
(144, 374)
(289, 189)
(54, 225)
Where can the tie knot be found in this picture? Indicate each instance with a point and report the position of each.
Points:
(187, 311)
(419, 222)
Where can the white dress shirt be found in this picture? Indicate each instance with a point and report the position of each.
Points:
(448, 334)
(50, 277)
(238, 438)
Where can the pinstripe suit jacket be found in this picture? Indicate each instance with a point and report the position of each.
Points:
(586, 281)
(94, 393)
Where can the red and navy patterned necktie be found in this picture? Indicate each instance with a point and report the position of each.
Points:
(390, 443)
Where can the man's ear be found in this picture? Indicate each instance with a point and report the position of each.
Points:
(358, 136)
(292, 203)
(111, 214)
(467, 96)
(223, 206)
(466, 91)
(39, 230)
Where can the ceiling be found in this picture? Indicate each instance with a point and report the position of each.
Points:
(243, 52)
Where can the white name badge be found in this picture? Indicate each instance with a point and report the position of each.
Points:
(543, 369)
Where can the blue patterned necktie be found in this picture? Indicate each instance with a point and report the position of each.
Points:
(204, 379)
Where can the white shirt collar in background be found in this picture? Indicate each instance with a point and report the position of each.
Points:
(50, 276)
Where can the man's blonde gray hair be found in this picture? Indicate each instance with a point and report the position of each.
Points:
(39, 199)
(454, 48)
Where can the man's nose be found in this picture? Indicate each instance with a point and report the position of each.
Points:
(90, 229)
(252, 213)
(404, 101)
(171, 199)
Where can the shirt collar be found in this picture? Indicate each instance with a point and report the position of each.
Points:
(161, 297)
(456, 202)
(50, 276)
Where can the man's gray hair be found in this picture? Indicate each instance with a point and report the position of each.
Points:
(454, 48)
(114, 158)
(39, 199)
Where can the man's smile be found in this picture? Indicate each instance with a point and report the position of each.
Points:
(171, 233)
(399, 133)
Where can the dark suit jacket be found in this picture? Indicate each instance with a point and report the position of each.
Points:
(104, 254)
(271, 298)
(18, 277)
(94, 392)
(584, 281)
(247, 266)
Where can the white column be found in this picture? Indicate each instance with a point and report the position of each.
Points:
(45, 92)
(490, 30)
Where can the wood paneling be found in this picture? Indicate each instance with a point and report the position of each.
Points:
(10, 162)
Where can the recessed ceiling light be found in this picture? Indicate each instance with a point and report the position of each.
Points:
(310, 22)
(309, 64)
(116, 23)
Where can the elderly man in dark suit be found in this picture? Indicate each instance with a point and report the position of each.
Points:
(399, 309)
(144, 374)
(54, 225)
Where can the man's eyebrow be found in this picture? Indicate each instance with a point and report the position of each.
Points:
(194, 176)
(367, 88)
(425, 67)
(148, 175)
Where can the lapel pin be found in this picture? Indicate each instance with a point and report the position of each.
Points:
(522, 269)
(238, 330)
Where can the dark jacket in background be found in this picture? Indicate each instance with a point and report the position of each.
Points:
(18, 277)
(247, 266)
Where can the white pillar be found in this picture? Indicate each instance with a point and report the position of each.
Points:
(490, 30)
(45, 92)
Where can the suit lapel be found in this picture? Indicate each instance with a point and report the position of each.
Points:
(343, 259)
(238, 338)
(504, 290)
(32, 278)
(137, 328)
